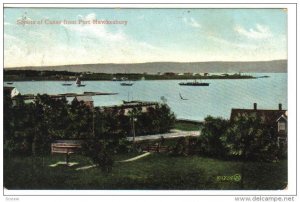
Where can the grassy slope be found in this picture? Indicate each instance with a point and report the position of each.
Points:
(157, 171)
(187, 126)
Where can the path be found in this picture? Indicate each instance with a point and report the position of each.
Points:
(127, 160)
(63, 163)
(137, 157)
(172, 134)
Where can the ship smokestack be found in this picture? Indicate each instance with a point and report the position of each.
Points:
(255, 106)
(280, 106)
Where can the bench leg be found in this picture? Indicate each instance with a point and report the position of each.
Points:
(67, 158)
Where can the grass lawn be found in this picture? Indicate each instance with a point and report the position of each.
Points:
(186, 126)
(157, 171)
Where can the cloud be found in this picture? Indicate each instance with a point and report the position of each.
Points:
(8, 37)
(98, 32)
(94, 31)
(259, 32)
(7, 24)
(232, 44)
(84, 44)
(191, 22)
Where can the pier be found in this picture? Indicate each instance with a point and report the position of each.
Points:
(32, 96)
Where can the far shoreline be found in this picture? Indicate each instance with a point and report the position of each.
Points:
(51, 75)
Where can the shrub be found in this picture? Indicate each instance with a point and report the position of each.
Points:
(100, 152)
(180, 149)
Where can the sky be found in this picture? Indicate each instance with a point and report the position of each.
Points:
(149, 35)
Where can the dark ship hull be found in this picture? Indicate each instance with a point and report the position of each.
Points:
(126, 84)
(194, 84)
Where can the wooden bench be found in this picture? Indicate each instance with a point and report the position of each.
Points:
(65, 148)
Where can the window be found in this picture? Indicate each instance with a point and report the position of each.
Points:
(281, 126)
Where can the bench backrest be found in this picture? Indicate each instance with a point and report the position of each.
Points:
(65, 148)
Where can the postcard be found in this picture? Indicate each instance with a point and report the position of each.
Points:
(147, 99)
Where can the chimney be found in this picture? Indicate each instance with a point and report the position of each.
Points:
(255, 106)
(280, 106)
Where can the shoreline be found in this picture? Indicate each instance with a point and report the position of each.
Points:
(33, 75)
(25, 80)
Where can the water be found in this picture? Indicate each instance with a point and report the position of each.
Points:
(217, 99)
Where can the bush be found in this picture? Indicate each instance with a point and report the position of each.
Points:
(180, 149)
(124, 146)
(210, 141)
(248, 138)
(100, 152)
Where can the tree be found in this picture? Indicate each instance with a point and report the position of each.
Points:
(101, 153)
(210, 141)
(166, 118)
(81, 121)
(248, 138)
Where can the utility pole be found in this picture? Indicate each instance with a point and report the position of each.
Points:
(133, 129)
(93, 121)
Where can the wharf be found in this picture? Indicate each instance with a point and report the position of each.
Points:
(32, 96)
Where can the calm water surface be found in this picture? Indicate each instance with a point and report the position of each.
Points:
(216, 99)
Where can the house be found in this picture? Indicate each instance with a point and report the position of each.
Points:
(87, 100)
(10, 91)
(276, 119)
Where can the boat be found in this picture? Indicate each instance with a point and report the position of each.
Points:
(126, 84)
(263, 76)
(194, 83)
(10, 83)
(78, 83)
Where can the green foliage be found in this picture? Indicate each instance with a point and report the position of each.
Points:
(187, 126)
(158, 119)
(180, 148)
(31, 128)
(124, 146)
(248, 138)
(101, 153)
(210, 142)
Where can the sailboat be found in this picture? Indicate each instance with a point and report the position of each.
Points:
(78, 83)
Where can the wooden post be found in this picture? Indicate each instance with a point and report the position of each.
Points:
(67, 157)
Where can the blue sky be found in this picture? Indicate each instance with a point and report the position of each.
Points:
(150, 35)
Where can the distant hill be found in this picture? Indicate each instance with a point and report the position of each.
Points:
(178, 67)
